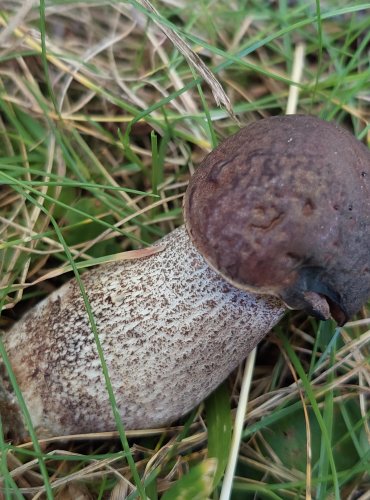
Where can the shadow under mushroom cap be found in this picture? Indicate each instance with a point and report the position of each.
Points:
(283, 208)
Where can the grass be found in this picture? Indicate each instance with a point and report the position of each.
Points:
(102, 121)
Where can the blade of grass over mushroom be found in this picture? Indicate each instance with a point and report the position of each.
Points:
(28, 421)
(104, 367)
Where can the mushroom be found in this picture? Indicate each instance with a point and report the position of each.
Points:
(277, 217)
(283, 208)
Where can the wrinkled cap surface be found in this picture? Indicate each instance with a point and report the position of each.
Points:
(283, 208)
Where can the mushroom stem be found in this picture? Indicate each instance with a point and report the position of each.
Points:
(171, 329)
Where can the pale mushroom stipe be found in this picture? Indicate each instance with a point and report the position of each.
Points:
(278, 216)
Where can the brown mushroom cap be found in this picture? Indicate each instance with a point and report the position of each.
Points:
(283, 208)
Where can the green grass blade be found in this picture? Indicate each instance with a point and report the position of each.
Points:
(328, 413)
(44, 59)
(219, 424)
(196, 484)
(320, 49)
(157, 173)
(28, 421)
(311, 396)
(9, 486)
